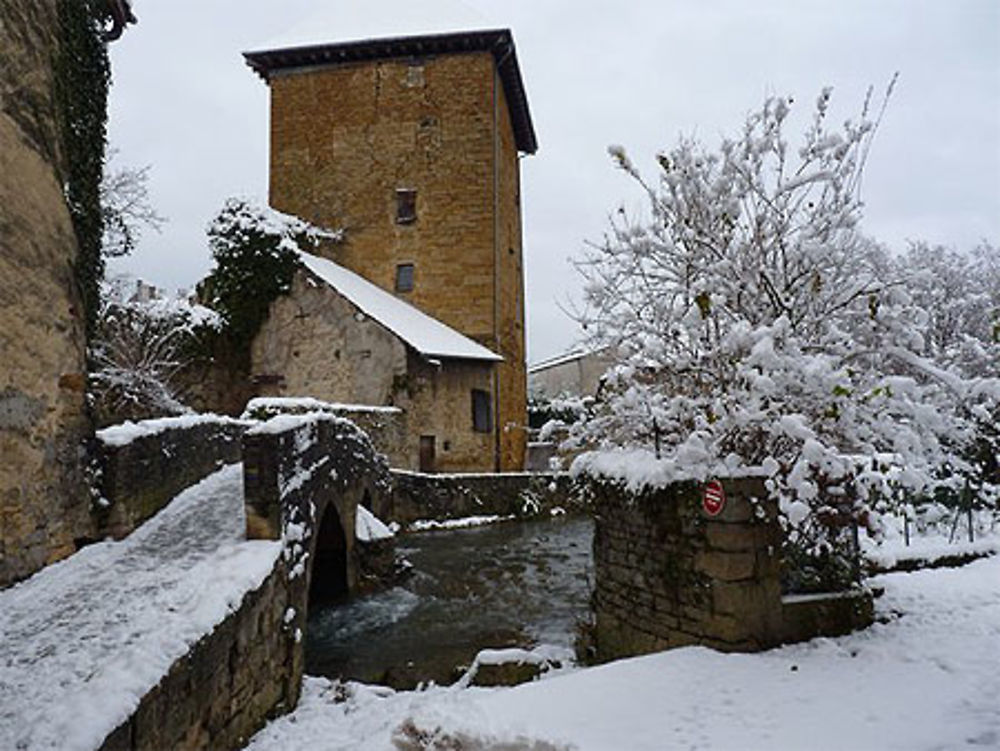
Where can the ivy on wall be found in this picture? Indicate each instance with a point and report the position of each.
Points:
(82, 79)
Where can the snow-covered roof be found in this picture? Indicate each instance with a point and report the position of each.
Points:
(566, 357)
(425, 334)
(347, 31)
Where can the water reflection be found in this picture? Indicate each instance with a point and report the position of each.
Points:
(511, 584)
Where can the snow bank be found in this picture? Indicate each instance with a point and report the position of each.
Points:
(369, 528)
(928, 679)
(128, 431)
(890, 553)
(423, 525)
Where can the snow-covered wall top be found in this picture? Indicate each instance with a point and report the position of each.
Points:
(277, 404)
(348, 20)
(638, 469)
(128, 431)
(425, 334)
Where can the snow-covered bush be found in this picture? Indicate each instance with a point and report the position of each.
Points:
(758, 326)
(138, 349)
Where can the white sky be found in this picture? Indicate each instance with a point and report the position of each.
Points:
(635, 73)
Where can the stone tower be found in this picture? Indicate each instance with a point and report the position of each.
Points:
(412, 143)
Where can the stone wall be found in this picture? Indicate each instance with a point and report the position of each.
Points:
(385, 426)
(143, 465)
(668, 574)
(43, 506)
(247, 671)
(421, 496)
(345, 137)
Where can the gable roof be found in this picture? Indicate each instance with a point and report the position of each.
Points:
(425, 334)
(296, 54)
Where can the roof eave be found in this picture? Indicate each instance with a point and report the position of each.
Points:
(499, 42)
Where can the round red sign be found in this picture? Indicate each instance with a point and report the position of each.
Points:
(713, 499)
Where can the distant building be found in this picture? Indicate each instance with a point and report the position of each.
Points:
(576, 373)
(411, 143)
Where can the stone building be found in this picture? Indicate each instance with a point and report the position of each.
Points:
(576, 373)
(43, 504)
(339, 338)
(412, 143)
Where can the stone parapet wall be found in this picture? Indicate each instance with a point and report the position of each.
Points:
(143, 465)
(385, 426)
(668, 575)
(247, 671)
(451, 496)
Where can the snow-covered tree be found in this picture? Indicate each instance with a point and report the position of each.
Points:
(757, 325)
(139, 348)
(960, 293)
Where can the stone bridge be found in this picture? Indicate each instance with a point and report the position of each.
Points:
(188, 633)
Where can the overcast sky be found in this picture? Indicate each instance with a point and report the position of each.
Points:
(639, 74)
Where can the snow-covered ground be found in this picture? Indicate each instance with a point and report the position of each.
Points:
(83, 640)
(926, 677)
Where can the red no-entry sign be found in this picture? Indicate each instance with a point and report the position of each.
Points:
(713, 498)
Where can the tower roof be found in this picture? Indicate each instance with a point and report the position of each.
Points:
(292, 53)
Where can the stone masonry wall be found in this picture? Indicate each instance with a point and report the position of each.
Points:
(43, 506)
(248, 670)
(140, 476)
(669, 575)
(420, 496)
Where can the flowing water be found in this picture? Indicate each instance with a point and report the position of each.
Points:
(511, 584)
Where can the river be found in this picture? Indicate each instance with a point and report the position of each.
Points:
(511, 584)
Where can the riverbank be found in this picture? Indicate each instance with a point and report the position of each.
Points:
(926, 676)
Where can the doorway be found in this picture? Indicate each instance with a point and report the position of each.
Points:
(427, 453)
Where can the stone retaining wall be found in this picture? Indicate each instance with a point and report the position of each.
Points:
(452, 496)
(143, 465)
(248, 670)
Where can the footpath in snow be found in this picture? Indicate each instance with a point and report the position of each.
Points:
(927, 676)
(83, 640)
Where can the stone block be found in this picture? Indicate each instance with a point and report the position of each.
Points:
(730, 537)
(726, 566)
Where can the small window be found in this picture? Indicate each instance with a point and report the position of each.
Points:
(482, 413)
(404, 277)
(406, 206)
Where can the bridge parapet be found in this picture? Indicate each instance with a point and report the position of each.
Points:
(304, 476)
